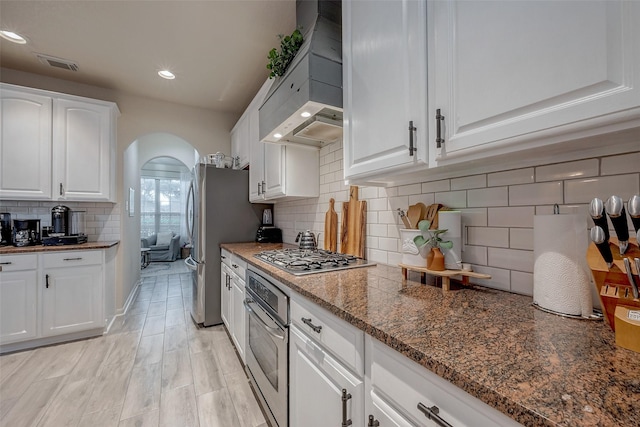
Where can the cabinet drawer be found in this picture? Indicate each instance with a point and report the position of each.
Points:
(343, 340)
(72, 259)
(18, 262)
(225, 257)
(404, 384)
(238, 266)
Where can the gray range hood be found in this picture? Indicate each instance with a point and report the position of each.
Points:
(305, 105)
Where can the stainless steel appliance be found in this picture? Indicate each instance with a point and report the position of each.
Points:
(67, 227)
(60, 221)
(267, 354)
(5, 229)
(268, 234)
(26, 232)
(218, 211)
(300, 262)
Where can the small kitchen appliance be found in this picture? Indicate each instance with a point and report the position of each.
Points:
(26, 232)
(268, 234)
(5, 229)
(67, 227)
(60, 221)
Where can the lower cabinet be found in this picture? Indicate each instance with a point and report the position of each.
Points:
(237, 315)
(18, 298)
(51, 297)
(225, 294)
(232, 299)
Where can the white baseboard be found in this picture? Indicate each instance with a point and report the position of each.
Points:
(122, 311)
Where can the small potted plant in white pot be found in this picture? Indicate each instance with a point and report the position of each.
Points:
(432, 239)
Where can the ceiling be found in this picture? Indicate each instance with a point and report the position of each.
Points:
(217, 49)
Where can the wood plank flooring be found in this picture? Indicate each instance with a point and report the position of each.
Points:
(155, 368)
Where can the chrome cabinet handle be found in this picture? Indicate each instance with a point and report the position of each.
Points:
(61, 189)
(264, 185)
(72, 259)
(345, 397)
(373, 422)
(439, 120)
(412, 129)
(309, 323)
(432, 414)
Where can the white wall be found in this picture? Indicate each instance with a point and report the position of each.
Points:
(497, 208)
(207, 131)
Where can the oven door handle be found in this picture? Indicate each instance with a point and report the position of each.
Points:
(271, 331)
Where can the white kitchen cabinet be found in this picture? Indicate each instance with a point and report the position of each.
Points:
(396, 386)
(83, 150)
(25, 144)
(237, 315)
(385, 90)
(56, 146)
(225, 294)
(514, 75)
(316, 384)
(72, 298)
(18, 298)
(232, 299)
(240, 142)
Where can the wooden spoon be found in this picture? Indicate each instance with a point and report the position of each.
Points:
(413, 214)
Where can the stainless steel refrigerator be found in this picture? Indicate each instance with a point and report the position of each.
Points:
(218, 211)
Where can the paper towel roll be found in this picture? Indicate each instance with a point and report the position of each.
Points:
(452, 222)
(560, 272)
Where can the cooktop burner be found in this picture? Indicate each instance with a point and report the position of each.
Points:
(299, 262)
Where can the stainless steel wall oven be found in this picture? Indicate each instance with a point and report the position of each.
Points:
(267, 353)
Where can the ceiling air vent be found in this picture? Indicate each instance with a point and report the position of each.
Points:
(52, 61)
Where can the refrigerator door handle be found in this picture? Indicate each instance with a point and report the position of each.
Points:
(191, 263)
(189, 217)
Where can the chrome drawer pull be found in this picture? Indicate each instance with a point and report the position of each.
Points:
(432, 414)
(345, 397)
(307, 322)
(72, 259)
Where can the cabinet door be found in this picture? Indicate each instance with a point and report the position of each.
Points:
(225, 295)
(18, 306)
(385, 413)
(274, 170)
(72, 300)
(238, 312)
(82, 148)
(312, 368)
(25, 145)
(384, 70)
(508, 74)
(256, 170)
(240, 139)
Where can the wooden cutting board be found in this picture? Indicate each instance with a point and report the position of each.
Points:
(331, 228)
(354, 223)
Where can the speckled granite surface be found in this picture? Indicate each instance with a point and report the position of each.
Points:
(538, 368)
(10, 250)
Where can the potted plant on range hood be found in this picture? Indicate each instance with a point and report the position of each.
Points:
(289, 46)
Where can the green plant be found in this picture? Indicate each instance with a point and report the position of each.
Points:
(279, 61)
(433, 238)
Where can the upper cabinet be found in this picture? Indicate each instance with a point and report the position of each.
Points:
(385, 86)
(514, 75)
(240, 142)
(463, 81)
(56, 147)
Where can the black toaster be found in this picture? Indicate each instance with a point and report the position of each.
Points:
(268, 234)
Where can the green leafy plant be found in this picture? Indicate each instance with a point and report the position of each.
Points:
(289, 46)
(431, 237)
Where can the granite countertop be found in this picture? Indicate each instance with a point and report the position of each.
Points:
(538, 368)
(11, 250)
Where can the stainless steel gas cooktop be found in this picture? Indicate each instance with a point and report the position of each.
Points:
(300, 262)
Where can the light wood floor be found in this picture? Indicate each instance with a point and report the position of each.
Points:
(154, 368)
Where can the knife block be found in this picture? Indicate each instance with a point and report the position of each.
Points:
(612, 284)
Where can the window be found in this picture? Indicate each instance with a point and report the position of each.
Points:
(160, 206)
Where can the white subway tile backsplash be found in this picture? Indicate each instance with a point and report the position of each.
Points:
(512, 259)
(378, 204)
(521, 238)
(394, 258)
(500, 278)
(388, 244)
(625, 163)
(368, 193)
(467, 182)
(547, 193)
(436, 186)
(488, 236)
(494, 196)
(521, 216)
(379, 230)
(474, 254)
(394, 203)
(452, 199)
(583, 190)
(372, 217)
(474, 217)
(406, 190)
(393, 231)
(388, 217)
(570, 170)
(377, 255)
(372, 242)
(522, 283)
(517, 176)
(427, 199)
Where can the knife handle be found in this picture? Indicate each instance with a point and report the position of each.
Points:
(636, 223)
(602, 223)
(621, 226)
(605, 251)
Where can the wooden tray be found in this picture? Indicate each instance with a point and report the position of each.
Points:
(446, 274)
(612, 284)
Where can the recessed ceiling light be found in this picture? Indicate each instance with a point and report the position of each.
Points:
(277, 135)
(306, 114)
(12, 37)
(166, 74)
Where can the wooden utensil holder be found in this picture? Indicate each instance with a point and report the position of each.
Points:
(612, 283)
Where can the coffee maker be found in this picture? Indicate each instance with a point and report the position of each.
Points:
(67, 227)
(5, 229)
(26, 232)
(60, 221)
(267, 233)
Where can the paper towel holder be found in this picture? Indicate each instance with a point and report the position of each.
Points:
(596, 315)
